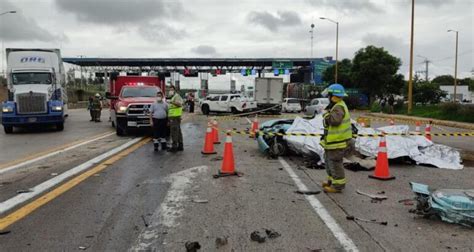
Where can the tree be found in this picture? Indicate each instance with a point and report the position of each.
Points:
(444, 80)
(467, 82)
(427, 92)
(343, 73)
(374, 70)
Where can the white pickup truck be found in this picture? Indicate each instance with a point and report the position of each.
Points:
(234, 103)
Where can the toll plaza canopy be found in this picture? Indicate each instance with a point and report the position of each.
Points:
(229, 63)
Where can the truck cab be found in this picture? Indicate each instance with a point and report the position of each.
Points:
(36, 89)
(130, 101)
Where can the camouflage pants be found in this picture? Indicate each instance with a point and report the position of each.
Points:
(334, 165)
(95, 113)
(175, 131)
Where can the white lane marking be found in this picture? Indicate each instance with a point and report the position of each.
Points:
(13, 167)
(336, 230)
(170, 209)
(47, 185)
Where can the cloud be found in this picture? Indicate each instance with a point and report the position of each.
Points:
(274, 21)
(112, 12)
(18, 27)
(160, 32)
(348, 5)
(204, 50)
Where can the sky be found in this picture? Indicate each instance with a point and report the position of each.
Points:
(244, 28)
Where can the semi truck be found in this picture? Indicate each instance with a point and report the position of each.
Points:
(36, 89)
(269, 94)
(130, 100)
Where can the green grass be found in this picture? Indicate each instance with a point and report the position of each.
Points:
(436, 112)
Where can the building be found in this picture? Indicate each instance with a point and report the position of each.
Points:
(462, 93)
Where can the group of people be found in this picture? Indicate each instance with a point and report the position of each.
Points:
(95, 107)
(165, 117)
(391, 102)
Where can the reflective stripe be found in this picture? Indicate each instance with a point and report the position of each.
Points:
(334, 131)
(382, 149)
(336, 137)
(339, 181)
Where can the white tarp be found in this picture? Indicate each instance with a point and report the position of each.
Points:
(418, 148)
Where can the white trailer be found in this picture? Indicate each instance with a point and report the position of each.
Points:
(269, 94)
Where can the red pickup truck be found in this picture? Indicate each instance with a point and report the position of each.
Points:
(130, 100)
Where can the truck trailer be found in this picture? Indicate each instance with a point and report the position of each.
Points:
(36, 89)
(269, 94)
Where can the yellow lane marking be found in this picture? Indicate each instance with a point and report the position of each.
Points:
(32, 206)
(39, 154)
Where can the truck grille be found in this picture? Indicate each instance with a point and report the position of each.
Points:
(138, 109)
(31, 103)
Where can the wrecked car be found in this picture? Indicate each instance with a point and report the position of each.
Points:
(450, 205)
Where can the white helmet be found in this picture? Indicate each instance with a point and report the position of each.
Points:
(97, 95)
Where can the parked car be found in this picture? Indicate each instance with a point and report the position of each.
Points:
(316, 106)
(291, 105)
(234, 103)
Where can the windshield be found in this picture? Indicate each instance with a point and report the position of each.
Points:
(293, 101)
(139, 92)
(31, 78)
(324, 101)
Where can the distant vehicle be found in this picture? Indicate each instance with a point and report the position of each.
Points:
(130, 101)
(291, 105)
(269, 93)
(316, 106)
(234, 103)
(36, 89)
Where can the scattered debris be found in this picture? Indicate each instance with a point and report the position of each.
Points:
(272, 234)
(5, 232)
(90, 236)
(219, 158)
(96, 175)
(372, 196)
(280, 169)
(407, 202)
(192, 246)
(144, 221)
(200, 201)
(258, 237)
(279, 182)
(350, 217)
(451, 205)
(54, 174)
(381, 192)
(43, 167)
(307, 192)
(221, 241)
(82, 248)
(24, 191)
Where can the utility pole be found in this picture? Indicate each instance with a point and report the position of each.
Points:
(427, 62)
(312, 35)
(337, 43)
(455, 64)
(410, 80)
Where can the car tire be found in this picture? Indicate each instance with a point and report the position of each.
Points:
(205, 109)
(121, 128)
(234, 110)
(60, 126)
(8, 129)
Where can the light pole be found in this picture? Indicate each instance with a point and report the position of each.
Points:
(455, 64)
(410, 79)
(312, 33)
(337, 43)
(3, 45)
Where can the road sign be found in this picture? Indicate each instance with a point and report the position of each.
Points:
(282, 64)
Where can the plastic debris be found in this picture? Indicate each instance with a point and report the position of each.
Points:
(192, 246)
(350, 217)
(372, 196)
(451, 205)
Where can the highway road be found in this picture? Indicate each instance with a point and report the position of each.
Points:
(114, 193)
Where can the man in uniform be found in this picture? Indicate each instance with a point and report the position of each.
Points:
(96, 107)
(337, 139)
(175, 110)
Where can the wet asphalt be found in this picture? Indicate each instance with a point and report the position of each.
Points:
(173, 198)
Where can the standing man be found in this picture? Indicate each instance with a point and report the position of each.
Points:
(191, 102)
(175, 110)
(96, 108)
(159, 121)
(89, 107)
(391, 101)
(337, 138)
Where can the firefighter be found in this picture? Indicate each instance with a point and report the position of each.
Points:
(96, 107)
(175, 110)
(337, 139)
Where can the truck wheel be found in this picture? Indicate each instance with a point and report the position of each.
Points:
(205, 109)
(8, 129)
(60, 126)
(113, 124)
(234, 110)
(121, 128)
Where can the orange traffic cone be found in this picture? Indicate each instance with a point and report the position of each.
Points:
(254, 128)
(208, 148)
(381, 168)
(228, 164)
(215, 129)
(428, 131)
(417, 128)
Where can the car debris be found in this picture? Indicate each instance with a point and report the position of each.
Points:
(24, 191)
(350, 217)
(82, 247)
(451, 205)
(272, 234)
(144, 221)
(5, 232)
(372, 196)
(221, 241)
(192, 246)
(201, 201)
(54, 174)
(307, 192)
(258, 237)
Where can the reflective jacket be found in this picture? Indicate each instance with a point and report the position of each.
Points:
(173, 110)
(336, 137)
